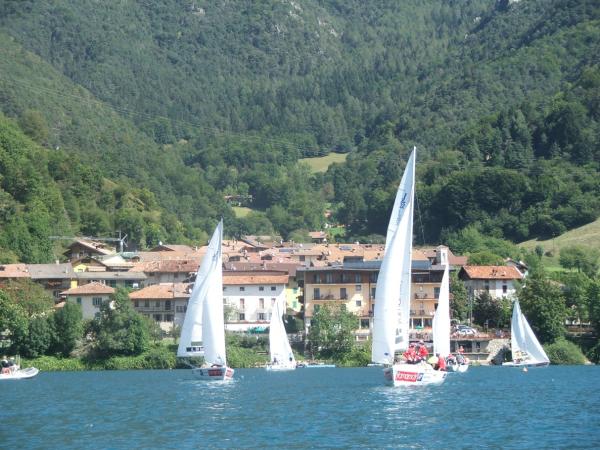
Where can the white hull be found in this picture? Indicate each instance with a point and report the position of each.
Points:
(20, 374)
(213, 373)
(280, 367)
(413, 375)
(526, 364)
(462, 368)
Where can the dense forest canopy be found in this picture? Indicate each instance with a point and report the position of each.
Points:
(141, 116)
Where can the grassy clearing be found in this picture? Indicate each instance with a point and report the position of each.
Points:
(587, 236)
(241, 211)
(321, 163)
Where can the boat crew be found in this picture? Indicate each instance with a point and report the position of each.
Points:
(422, 353)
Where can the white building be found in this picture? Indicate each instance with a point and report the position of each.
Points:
(249, 297)
(498, 281)
(89, 296)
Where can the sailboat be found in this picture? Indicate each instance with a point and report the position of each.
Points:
(203, 330)
(392, 296)
(282, 357)
(526, 349)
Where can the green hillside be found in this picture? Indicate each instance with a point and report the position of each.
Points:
(174, 105)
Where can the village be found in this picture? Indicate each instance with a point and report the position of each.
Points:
(259, 271)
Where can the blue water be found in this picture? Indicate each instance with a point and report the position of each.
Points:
(488, 407)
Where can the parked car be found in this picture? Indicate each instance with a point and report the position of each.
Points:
(464, 330)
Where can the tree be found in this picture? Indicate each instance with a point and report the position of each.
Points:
(543, 304)
(459, 304)
(488, 311)
(331, 333)
(68, 328)
(39, 337)
(120, 330)
(581, 258)
(13, 321)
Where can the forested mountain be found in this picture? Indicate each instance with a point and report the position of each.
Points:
(171, 105)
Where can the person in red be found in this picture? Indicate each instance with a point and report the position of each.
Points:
(410, 354)
(441, 364)
(422, 353)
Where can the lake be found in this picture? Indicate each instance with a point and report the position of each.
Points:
(554, 407)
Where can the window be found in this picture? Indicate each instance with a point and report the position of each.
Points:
(364, 323)
(343, 294)
(317, 278)
(328, 278)
(358, 303)
(273, 288)
(261, 303)
(242, 304)
(436, 292)
(146, 303)
(262, 316)
(427, 322)
(157, 317)
(357, 278)
(358, 288)
(487, 286)
(175, 275)
(242, 288)
(241, 316)
(302, 258)
(224, 288)
(112, 283)
(504, 289)
(97, 301)
(261, 288)
(157, 304)
(317, 294)
(180, 308)
(372, 292)
(79, 300)
(168, 317)
(136, 303)
(167, 307)
(373, 277)
(272, 301)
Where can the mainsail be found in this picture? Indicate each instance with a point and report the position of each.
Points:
(524, 344)
(441, 319)
(206, 305)
(392, 295)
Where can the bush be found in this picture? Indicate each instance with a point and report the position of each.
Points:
(563, 352)
(594, 353)
(51, 363)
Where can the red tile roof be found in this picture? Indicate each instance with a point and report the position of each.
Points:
(167, 266)
(163, 291)
(14, 271)
(89, 289)
(492, 272)
(240, 278)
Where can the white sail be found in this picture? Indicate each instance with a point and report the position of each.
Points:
(441, 319)
(279, 345)
(207, 288)
(524, 344)
(392, 295)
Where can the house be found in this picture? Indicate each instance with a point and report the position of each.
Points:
(353, 283)
(172, 248)
(166, 303)
(13, 272)
(168, 271)
(81, 248)
(498, 281)
(54, 278)
(250, 295)
(318, 237)
(89, 296)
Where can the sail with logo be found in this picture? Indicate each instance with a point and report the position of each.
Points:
(203, 330)
(392, 295)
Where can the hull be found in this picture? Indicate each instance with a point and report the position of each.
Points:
(525, 364)
(462, 368)
(280, 367)
(213, 373)
(413, 375)
(20, 374)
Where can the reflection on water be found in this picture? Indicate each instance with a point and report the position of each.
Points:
(317, 408)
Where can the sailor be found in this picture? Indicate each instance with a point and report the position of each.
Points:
(422, 353)
(4, 362)
(410, 354)
(441, 364)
